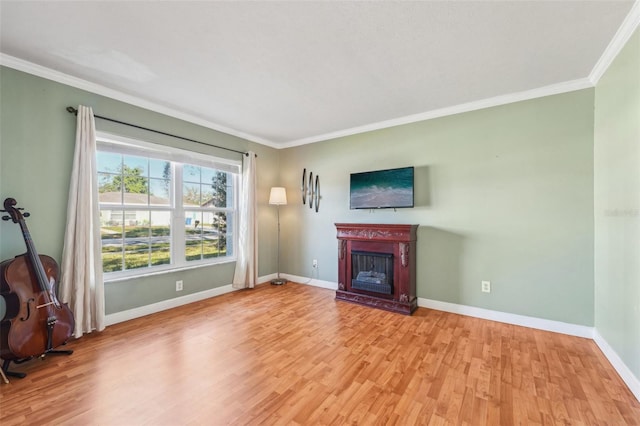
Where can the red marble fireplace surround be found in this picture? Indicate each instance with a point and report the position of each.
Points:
(379, 239)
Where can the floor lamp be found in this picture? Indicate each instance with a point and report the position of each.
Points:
(278, 197)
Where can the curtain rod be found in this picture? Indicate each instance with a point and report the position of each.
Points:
(74, 111)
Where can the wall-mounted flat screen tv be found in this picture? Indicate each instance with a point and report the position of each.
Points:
(382, 189)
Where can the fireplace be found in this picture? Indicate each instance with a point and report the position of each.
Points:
(376, 266)
(372, 271)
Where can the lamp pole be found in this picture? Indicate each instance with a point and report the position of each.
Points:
(278, 281)
(278, 197)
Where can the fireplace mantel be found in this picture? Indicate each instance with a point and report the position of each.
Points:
(376, 239)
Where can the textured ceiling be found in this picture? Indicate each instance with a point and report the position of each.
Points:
(285, 73)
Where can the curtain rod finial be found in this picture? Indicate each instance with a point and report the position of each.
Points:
(72, 110)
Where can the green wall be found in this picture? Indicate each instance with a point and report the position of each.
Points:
(503, 194)
(540, 197)
(617, 205)
(37, 139)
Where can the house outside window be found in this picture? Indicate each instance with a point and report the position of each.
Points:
(163, 209)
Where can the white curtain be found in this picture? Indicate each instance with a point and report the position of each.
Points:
(246, 274)
(81, 285)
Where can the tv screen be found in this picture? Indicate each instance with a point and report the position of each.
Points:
(382, 189)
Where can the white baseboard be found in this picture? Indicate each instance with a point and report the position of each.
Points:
(165, 304)
(172, 303)
(627, 375)
(267, 278)
(522, 320)
(311, 281)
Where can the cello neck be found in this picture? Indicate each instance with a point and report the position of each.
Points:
(34, 258)
(32, 253)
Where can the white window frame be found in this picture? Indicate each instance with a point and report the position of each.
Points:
(118, 144)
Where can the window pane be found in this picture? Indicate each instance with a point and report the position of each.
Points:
(191, 173)
(134, 165)
(208, 199)
(193, 249)
(219, 186)
(208, 175)
(159, 192)
(111, 235)
(193, 235)
(159, 169)
(136, 255)
(108, 162)
(191, 195)
(136, 224)
(110, 188)
(134, 179)
(210, 249)
(137, 231)
(229, 234)
(229, 191)
(220, 224)
(209, 236)
(160, 238)
(161, 225)
(136, 191)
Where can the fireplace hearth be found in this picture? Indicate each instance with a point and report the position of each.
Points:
(376, 266)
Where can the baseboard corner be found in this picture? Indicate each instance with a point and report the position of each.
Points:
(627, 376)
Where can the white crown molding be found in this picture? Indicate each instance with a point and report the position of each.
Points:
(554, 89)
(49, 74)
(626, 30)
(625, 373)
(40, 71)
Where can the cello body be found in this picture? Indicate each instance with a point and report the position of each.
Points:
(26, 328)
(35, 321)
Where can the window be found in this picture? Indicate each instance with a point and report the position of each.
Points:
(163, 208)
(206, 199)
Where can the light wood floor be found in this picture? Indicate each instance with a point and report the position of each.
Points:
(294, 355)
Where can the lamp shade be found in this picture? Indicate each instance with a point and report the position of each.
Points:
(278, 196)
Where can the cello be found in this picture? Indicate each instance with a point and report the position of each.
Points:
(35, 322)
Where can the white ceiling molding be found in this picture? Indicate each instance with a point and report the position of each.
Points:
(626, 30)
(37, 70)
(289, 73)
(554, 89)
(78, 83)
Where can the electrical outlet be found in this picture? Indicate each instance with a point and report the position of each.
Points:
(486, 286)
(179, 285)
(315, 263)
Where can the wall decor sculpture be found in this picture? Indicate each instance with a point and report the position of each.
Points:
(304, 186)
(310, 190)
(316, 193)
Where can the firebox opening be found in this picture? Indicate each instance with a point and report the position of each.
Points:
(372, 272)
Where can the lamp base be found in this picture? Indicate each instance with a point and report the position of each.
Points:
(278, 281)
